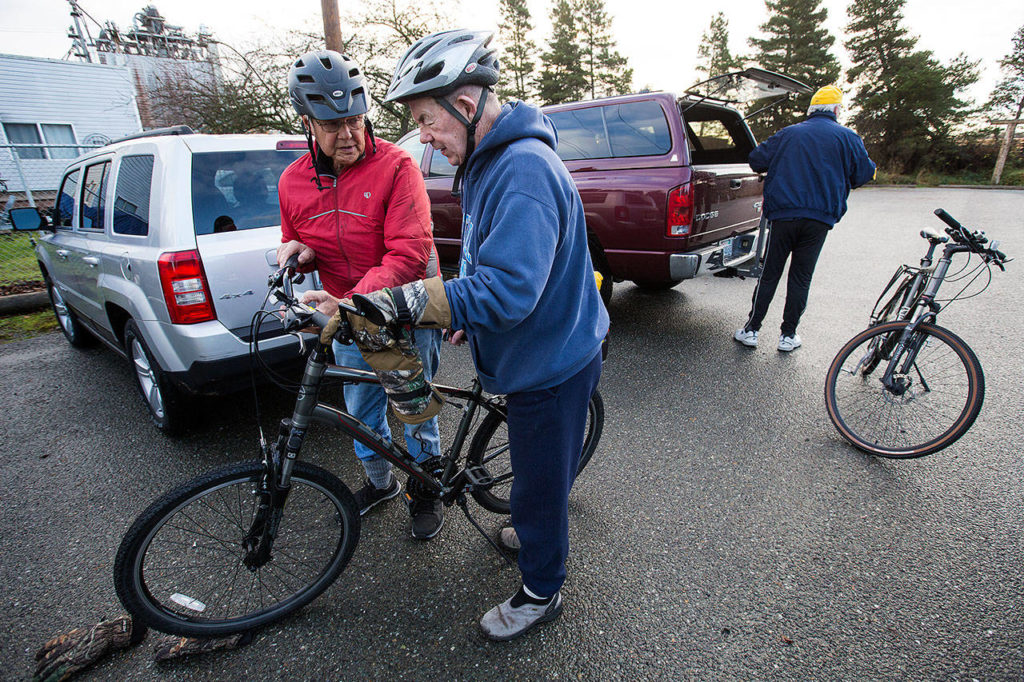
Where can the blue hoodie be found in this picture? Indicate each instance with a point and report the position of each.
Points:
(811, 166)
(525, 295)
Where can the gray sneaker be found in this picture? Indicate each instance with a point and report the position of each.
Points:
(508, 539)
(505, 622)
(369, 496)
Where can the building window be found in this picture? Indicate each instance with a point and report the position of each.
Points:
(47, 133)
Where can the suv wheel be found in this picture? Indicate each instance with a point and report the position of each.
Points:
(74, 331)
(162, 400)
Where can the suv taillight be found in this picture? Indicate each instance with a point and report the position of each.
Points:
(185, 289)
(680, 211)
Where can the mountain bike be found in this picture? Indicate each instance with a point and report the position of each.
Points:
(906, 387)
(248, 543)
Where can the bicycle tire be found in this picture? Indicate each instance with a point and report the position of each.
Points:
(489, 448)
(946, 387)
(174, 573)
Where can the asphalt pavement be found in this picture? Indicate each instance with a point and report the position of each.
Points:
(723, 530)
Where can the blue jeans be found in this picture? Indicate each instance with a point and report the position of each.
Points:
(368, 402)
(546, 429)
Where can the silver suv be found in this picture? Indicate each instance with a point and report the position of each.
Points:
(159, 245)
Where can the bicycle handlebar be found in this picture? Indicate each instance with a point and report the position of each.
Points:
(974, 240)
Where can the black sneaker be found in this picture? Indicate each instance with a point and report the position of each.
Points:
(426, 510)
(370, 495)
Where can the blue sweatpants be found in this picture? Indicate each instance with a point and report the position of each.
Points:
(545, 432)
(369, 403)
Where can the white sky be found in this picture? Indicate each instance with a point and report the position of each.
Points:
(659, 37)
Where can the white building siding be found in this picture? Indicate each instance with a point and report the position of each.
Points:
(96, 100)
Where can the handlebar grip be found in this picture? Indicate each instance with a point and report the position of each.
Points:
(319, 319)
(292, 263)
(948, 219)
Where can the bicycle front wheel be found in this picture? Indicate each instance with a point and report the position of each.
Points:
(933, 402)
(181, 567)
(490, 449)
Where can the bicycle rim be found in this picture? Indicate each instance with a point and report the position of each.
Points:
(944, 394)
(180, 567)
(490, 448)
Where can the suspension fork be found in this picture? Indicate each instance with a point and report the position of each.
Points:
(278, 462)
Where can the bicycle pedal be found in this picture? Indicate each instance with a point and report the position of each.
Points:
(478, 476)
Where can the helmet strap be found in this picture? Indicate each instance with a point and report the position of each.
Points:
(313, 147)
(470, 134)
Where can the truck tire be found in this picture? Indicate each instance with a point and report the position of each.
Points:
(164, 403)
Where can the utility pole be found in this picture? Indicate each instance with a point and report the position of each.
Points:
(1004, 149)
(332, 24)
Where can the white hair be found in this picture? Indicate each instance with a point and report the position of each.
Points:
(830, 108)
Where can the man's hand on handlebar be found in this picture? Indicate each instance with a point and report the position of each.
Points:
(294, 247)
(321, 300)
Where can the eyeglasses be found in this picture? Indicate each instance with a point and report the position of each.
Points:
(353, 123)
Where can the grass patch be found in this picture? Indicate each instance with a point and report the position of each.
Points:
(18, 258)
(20, 327)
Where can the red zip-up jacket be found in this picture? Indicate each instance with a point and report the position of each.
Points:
(370, 226)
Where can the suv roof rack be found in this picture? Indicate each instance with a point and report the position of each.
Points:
(157, 132)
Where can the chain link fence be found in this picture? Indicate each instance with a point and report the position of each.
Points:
(30, 175)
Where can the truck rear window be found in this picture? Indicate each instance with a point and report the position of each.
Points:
(716, 136)
(612, 131)
(237, 190)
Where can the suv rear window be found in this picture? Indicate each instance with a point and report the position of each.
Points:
(237, 190)
(612, 131)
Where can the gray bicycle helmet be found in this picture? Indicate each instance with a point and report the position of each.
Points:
(439, 63)
(326, 85)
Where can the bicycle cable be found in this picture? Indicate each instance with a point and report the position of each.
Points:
(958, 297)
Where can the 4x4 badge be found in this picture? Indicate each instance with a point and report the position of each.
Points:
(229, 296)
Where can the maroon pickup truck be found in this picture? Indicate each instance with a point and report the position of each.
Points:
(665, 183)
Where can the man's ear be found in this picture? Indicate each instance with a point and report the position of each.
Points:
(306, 124)
(466, 105)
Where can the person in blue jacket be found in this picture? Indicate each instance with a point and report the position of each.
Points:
(525, 297)
(811, 167)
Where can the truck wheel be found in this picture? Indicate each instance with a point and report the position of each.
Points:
(162, 400)
(654, 286)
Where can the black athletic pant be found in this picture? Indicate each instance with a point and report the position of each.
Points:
(803, 238)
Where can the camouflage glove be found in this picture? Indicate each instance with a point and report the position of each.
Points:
(422, 303)
(66, 654)
(169, 646)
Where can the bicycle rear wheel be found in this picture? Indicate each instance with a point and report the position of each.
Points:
(180, 567)
(940, 396)
(489, 448)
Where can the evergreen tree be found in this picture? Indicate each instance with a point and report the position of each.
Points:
(1007, 99)
(796, 43)
(905, 101)
(517, 77)
(605, 68)
(713, 55)
(562, 78)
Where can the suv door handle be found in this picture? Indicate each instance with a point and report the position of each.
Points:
(63, 253)
(735, 184)
(91, 260)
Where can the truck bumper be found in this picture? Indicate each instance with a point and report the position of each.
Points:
(729, 253)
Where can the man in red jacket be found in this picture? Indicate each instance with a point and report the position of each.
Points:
(356, 209)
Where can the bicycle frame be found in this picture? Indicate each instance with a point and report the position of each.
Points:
(924, 309)
(308, 409)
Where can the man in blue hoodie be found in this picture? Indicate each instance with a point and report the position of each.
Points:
(811, 167)
(525, 297)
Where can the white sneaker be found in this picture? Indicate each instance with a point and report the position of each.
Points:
(788, 343)
(505, 622)
(748, 337)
